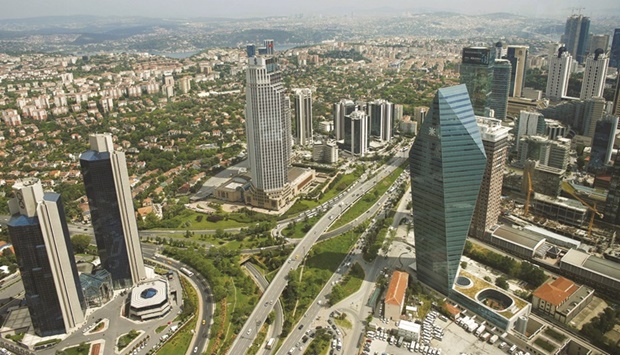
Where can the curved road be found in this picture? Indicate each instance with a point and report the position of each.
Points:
(275, 288)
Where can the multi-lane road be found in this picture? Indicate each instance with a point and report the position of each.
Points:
(249, 330)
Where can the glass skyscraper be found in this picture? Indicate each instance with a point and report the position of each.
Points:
(576, 36)
(614, 54)
(447, 162)
(112, 212)
(477, 73)
(498, 99)
(44, 253)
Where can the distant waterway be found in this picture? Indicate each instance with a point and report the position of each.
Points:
(176, 55)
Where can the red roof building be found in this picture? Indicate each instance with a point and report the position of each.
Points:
(395, 298)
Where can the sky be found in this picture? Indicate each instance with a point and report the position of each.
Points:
(260, 8)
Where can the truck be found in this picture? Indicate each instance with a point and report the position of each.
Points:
(493, 339)
(485, 336)
(270, 343)
(480, 330)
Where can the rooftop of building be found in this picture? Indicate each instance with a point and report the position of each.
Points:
(150, 293)
(592, 263)
(556, 291)
(561, 201)
(552, 236)
(409, 326)
(524, 238)
(396, 290)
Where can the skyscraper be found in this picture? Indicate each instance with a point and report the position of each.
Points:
(268, 128)
(342, 109)
(112, 211)
(598, 41)
(576, 36)
(447, 162)
(356, 133)
(488, 206)
(477, 74)
(614, 54)
(602, 143)
(517, 55)
(529, 124)
(302, 102)
(44, 253)
(559, 73)
(616, 108)
(594, 76)
(498, 99)
(381, 119)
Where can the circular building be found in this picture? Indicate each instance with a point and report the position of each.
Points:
(149, 300)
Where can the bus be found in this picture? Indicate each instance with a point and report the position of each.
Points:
(270, 343)
(187, 272)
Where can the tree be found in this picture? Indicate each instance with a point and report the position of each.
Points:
(80, 243)
(501, 282)
(463, 264)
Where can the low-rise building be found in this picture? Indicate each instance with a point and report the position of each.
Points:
(149, 300)
(409, 330)
(561, 299)
(395, 298)
(602, 274)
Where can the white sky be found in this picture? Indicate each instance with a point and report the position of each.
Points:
(261, 8)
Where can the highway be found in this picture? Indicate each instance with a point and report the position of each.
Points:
(272, 293)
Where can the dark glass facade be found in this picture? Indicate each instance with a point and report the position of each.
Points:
(477, 74)
(498, 99)
(36, 271)
(602, 143)
(105, 216)
(614, 54)
(576, 36)
(447, 162)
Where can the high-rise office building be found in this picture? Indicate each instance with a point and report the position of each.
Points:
(477, 74)
(616, 108)
(356, 133)
(498, 99)
(342, 109)
(593, 112)
(517, 55)
(268, 128)
(529, 124)
(44, 253)
(381, 116)
(598, 41)
(602, 143)
(594, 76)
(447, 162)
(576, 36)
(559, 73)
(302, 108)
(112, 211)
(488, 206)
(614, 54)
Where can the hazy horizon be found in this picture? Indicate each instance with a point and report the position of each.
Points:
(245, 8)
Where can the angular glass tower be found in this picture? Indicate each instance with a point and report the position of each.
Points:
(44, 253)
(112, 212)
(447, 162)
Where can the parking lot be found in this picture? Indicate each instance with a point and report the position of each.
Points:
(455, 340)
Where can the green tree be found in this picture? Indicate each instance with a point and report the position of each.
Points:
(80, 243)
(501, 282)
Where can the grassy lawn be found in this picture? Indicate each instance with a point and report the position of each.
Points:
(343, 322)
(320, 344)
(298, 230)
(179, 344)
(81, 349)
(351, 282)
(369, 199)
(554, 334)
(545, 345)
(127, 338)
(161, 328)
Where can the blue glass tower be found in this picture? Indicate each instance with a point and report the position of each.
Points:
(477, 73)
(614, 54)
(447, 162)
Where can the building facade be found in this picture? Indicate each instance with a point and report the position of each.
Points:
(488, 207)
(44, 253)
(447, 162)
(500, 89)
(576, 35)
(614, 53)
(603, 143)
(559, 72)
(594, 76)
(356, 133)
(477, 74)
(112, 211)
(268, 129)
(381, 120)
(302, 107)
(341, 109)
(517, 55)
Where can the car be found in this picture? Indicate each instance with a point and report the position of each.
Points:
(204, 321)
(195, 349)
(249, 331)
(300, 326)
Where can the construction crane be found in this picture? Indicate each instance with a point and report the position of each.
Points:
(529, 193)
(571, 191)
